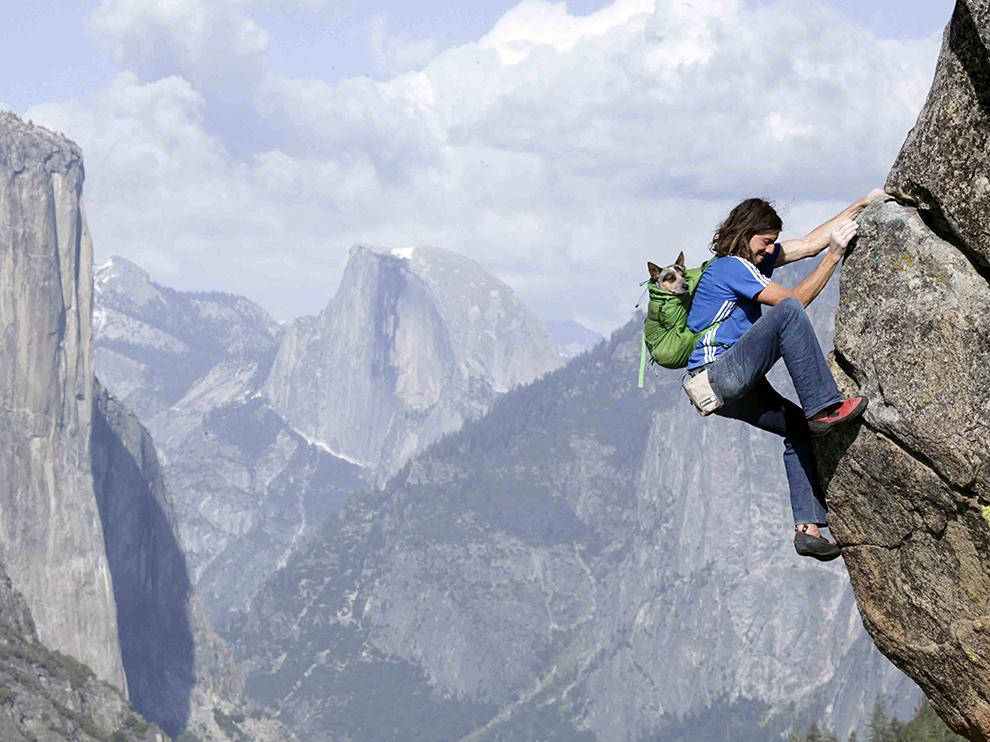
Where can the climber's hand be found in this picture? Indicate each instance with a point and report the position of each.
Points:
(840, 238)
(874, 195)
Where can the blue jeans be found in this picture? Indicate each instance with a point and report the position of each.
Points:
(738, 376)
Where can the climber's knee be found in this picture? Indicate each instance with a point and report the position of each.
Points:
(790, 305)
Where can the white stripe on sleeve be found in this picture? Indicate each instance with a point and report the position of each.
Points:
(752, 269)
(726, 309)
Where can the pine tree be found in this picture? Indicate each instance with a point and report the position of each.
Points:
(879, 728)
(926, 726)
(814, 734)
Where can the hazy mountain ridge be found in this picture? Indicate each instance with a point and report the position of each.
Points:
(550, 568)
(572, 338)
(415, 342)
(245, 485)
(248, 485)
(154, 342)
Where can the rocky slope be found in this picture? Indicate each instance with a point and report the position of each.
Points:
(561, 569)
(153, 342)
(416, 341)
(50, 536)
(50, 696)
(245, 486)
(248, 487)
(910, 487)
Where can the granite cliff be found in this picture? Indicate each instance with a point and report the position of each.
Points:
(97, 577)
(244, 485)
(910, 486)
(51, 541)
(50, 696)
(416, 341)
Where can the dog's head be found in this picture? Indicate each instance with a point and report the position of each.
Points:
(670, 278)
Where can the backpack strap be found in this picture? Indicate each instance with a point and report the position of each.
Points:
(642, 362)
(646, 358)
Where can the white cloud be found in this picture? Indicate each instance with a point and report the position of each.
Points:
(536, 23)
(202, 40)
(163, 192)
(560, 151)
(394, 51)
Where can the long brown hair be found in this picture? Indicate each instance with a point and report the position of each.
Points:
(752, 216)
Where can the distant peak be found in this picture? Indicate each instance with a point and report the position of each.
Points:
(120, 276)
(435, 265)
(118, 264)
(405, 253)
(120, 269)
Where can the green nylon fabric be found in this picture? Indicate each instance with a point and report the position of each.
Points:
(665, 331)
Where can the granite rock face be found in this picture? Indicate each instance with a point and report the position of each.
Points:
(169, 649)
(50, 536)
(154, 343)
(944, 166)
(244, 485)
(910, 487)
(46, 695)
(416, 341)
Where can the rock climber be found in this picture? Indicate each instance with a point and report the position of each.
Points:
(742, 343)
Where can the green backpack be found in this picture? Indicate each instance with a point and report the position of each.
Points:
(666, 337)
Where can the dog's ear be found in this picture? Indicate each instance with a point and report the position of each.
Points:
(680, 259)
(654, 270)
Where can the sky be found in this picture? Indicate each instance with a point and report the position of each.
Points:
(246, 145)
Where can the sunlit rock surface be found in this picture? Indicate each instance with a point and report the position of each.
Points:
(416, 341)
(51, 541)
(46, 695)
(944, 165)
(910, 487)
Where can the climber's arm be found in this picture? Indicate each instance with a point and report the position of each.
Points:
(806, 291)
(817, 239)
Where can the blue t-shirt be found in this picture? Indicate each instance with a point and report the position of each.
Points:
(725, 293)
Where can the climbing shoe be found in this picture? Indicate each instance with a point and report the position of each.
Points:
(850, 409)
(815, 546)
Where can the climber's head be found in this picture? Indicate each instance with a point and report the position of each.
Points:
(750, 231)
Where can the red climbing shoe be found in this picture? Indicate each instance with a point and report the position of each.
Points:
(850, 409)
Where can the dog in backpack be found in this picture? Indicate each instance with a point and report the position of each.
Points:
(672, 278)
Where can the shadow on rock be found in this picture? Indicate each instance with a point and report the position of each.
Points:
(147, 567)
